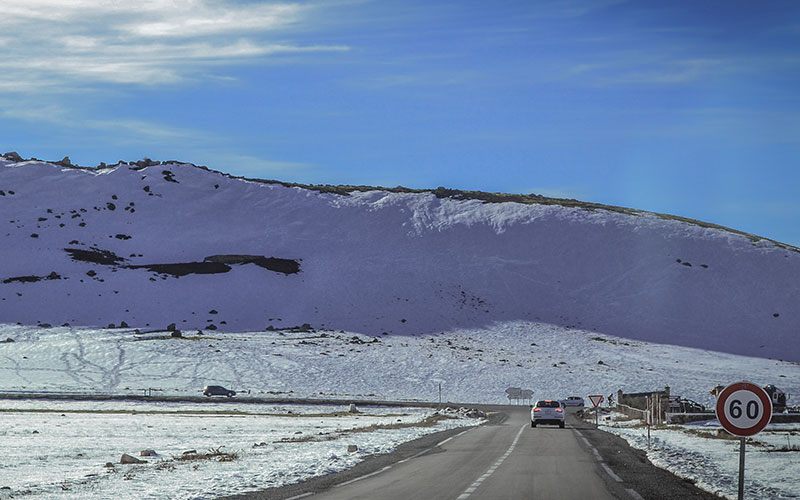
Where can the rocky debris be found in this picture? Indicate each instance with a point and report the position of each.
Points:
(351, 448)
(127, 459)
(64, 162)
(148, 453)
(353, 409)
(462, 412)
(147, 162)
(8, 340)
(189, 453)
(109, 465)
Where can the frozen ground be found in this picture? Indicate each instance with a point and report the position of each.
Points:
(706, 454)
(66, 457)
(59, 449)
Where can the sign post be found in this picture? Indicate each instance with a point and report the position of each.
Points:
(743, 409)
(596, 399)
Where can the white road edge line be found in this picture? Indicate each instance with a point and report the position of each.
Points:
(362, 477)
(611, 473)
(443, 442)
(300, 496)
(634, 494)
(491, 470)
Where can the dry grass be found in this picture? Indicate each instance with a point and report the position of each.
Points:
(212, 454)
(427, 422)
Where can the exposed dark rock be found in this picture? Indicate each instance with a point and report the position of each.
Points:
(95, 255)
(23, 279)
(13, 156)
(285, 266)
(182, 269)
(127, 459)
(169, 176)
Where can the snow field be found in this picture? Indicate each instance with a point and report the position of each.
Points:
(705, 454)
(49, 454)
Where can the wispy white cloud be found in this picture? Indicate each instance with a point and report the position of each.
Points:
(51, 43)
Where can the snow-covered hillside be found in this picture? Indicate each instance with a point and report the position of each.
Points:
(92, 247)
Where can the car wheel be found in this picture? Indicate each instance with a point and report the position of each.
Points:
(533, 424)
(561, 425)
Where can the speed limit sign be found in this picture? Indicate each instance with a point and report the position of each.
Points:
(744, 409)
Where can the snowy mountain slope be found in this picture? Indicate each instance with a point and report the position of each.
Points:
(374, 261)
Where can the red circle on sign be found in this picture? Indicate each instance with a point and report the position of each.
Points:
(732, 428)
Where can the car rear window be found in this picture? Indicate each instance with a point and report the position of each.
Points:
(548, 404)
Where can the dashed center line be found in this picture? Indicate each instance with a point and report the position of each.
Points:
(474, 486)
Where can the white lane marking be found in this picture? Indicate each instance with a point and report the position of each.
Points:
(634, 494)
(611, 473)
(491, 470)
(300, 496)
(443, 442)
(362, 477)
(597, 455)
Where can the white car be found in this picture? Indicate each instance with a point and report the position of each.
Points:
(547, 411)
(573, 401)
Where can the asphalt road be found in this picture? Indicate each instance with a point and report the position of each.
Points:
(510, 460)
(503, 459)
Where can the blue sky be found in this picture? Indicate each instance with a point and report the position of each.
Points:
(682, 107)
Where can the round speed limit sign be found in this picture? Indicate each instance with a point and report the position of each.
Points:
(743, 409)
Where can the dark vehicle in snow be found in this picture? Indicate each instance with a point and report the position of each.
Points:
(217, 390)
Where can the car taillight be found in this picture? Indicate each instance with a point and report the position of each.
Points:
(559, 410)
(537, 409)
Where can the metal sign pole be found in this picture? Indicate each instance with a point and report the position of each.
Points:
(741, 468)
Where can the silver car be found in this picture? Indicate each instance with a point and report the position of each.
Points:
(547, 411)
(573, 401)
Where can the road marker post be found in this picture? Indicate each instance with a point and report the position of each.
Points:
(596, 399)
(743, 409)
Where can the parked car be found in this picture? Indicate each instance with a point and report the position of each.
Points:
(217, 390)
(573, 401)
(547, 411)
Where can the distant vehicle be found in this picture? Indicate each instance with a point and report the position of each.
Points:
(573, 401)
(683, 405)
(547, 411)
(777, 396)
(217, 390)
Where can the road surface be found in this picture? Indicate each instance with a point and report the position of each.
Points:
(510, 460)
(503, 459)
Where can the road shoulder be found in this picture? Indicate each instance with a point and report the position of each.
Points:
(635, 472)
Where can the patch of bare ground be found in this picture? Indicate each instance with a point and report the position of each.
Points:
(429, 421)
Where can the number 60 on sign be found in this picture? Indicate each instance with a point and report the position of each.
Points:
(743, 409)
